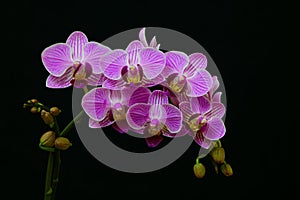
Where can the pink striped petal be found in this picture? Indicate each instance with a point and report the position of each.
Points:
(217, 97)
(115, 96)
(158, 97)
(200, 105)
(173, 119)
(152, 62)
(197, 61)
(215, 130)
(133, 51)
(202, 141)
(100, 124)
(185, 108)
(137, 115)
(215, 85)
(139, 95)
(96, 79)
(57, 59)
(154, 141)
(62, 81)
(113, 62)
(217, 111)
(199, 84)
(175, 63)
(152, 82)
(76, 41)
(153, 43)
(93, 52)
(142, 37)
(182, 132)
(114, 84)
(96, 103)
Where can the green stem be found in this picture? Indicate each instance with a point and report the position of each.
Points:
(71, 124)
(56, 170)
(48, 188)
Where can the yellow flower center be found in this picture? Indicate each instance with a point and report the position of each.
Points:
(178, 83)
(119, 112)
(133, 75)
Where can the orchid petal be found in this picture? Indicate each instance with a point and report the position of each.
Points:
(96, 103)
(93, 52)
(182, 132)
(62, 81)
(133, 51)
(215, 85)
(216, 129)
(185, 108)
(217, 111)
(139, 95)
(152, 62)
(115, 96)
(96, 79)
(142, 37)
(202, 141)
(158, 97)
(175, 63)
(197, 61)
(137, 115)
(154, 141)
(152, 82)
(153, 42)
(199, 84)
(200, 105)
(113, 62)
(114, 84)
(76, 41)
(217, 97)
(173, 119)
(100, 124)
(57, 59)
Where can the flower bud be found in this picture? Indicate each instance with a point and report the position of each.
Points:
(199, 170)
(48, 139)
(34, 101)
(55, 111)
(62, 143)
(34, 110)
(226, 169)
(218, 155)
(47, 117)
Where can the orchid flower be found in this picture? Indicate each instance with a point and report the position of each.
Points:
(138, 65)
(108, 107)
(203, 119)
(142, 37)
(187, 73)
(156, 117)
(76, 62)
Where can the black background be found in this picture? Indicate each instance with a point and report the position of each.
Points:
(238, 36)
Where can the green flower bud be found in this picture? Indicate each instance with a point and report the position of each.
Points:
(47, 117)
(226, 169)
(62, 143)
(55, 111)
(48, 139)
(199, 170)
(218, 155)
